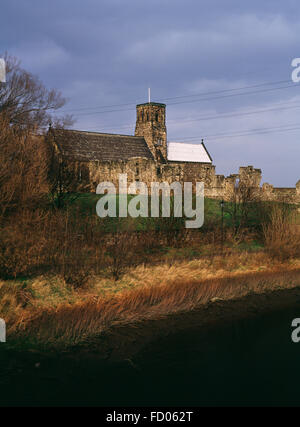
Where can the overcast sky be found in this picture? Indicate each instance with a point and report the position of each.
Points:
(195, 55)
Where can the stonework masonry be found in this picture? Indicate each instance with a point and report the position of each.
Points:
(151, 124)
(95, 157)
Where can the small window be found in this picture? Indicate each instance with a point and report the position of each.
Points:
(156, 117)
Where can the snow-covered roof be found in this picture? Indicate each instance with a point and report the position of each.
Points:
(185, 152)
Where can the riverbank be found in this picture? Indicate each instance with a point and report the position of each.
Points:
(129, 342)
(47, 314)
(227, 352)
(123, 339)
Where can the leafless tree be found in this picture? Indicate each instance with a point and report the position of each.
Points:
(25, 102)
(242, 198)
(24, 168)
(26, 108)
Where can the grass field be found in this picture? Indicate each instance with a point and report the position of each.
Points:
(85, 204)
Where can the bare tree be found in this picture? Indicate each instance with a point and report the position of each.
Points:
(25, 102)
(61, 178)
(241, 201)
(26, 108)
(24, 168)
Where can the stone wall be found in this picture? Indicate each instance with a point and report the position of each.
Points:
(136, 169)
(287, 195)
(87, 175)
(188, 172)
(149, 171)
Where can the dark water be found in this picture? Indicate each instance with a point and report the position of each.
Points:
(249, 362)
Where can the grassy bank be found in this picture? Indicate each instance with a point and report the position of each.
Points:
(45, 312)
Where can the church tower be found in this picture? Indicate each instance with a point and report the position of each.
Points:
(151, 124)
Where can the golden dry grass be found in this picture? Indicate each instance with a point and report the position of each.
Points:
(59, 315)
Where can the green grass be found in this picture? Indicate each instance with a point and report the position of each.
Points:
(85, 204)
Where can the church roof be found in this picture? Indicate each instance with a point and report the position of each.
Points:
(89, 146)
(185, 152)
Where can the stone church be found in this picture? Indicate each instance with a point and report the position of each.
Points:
(148, 157)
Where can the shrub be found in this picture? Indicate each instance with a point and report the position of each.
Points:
(121, 252)
(281, 234)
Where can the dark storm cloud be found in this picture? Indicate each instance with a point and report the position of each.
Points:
(102, 53)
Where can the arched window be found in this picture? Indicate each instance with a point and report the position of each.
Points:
(156, 117)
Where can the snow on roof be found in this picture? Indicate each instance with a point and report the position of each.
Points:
(185, 152)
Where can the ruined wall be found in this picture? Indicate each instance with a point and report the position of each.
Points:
(87, 175)
(249, 176)
(147, 171)
(287, 195)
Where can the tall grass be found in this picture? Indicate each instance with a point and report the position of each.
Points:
(76, 323)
